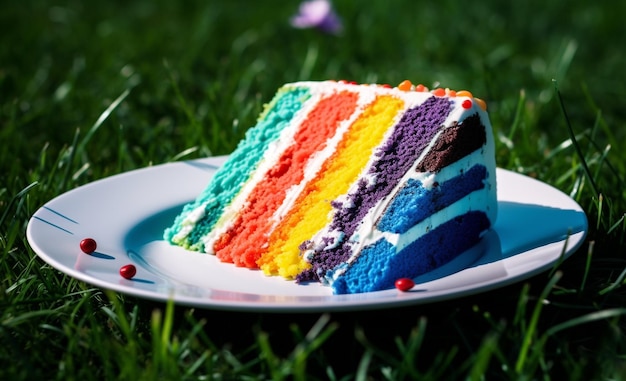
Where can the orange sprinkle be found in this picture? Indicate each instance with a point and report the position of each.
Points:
(451, 93)
(464, 93)
(439, 92)
(481, 103)
(405, 85)
(421, 88)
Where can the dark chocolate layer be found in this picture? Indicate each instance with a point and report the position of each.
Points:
(455, 142)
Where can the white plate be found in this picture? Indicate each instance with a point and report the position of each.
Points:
(537, 226)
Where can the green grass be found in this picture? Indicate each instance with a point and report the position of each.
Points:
(92, 90)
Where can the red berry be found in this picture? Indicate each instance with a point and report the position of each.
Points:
(88, 245)
(404, 284)
(128, 271)
(466, 103)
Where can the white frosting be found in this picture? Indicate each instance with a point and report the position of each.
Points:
(189, 223)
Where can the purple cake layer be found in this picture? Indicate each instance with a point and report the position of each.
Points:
(379, 266)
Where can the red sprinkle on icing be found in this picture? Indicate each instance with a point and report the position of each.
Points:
(387, 86)
(128, 271)
(467, 103)
(88, 245)
(421, 88)
(404, 284)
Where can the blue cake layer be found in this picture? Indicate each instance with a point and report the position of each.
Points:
(414, 202)
(379, 266)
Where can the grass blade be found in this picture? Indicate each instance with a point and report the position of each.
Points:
(577, 148)
(16, 198)
(105, 114)
(585, 319)
(531, 330)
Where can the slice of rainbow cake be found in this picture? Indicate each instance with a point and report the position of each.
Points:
(351, 185)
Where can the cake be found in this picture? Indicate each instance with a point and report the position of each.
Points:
(350, 185)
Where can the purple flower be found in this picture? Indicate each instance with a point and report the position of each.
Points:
(317, 14)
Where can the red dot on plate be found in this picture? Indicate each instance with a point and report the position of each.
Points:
(88, 245)
(466, 103)
(404, 284)
(128, 271)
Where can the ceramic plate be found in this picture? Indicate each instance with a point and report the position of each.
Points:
(126, 214)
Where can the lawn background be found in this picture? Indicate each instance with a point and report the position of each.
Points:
(92, 89)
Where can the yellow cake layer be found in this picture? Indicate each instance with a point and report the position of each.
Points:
(311, 211)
